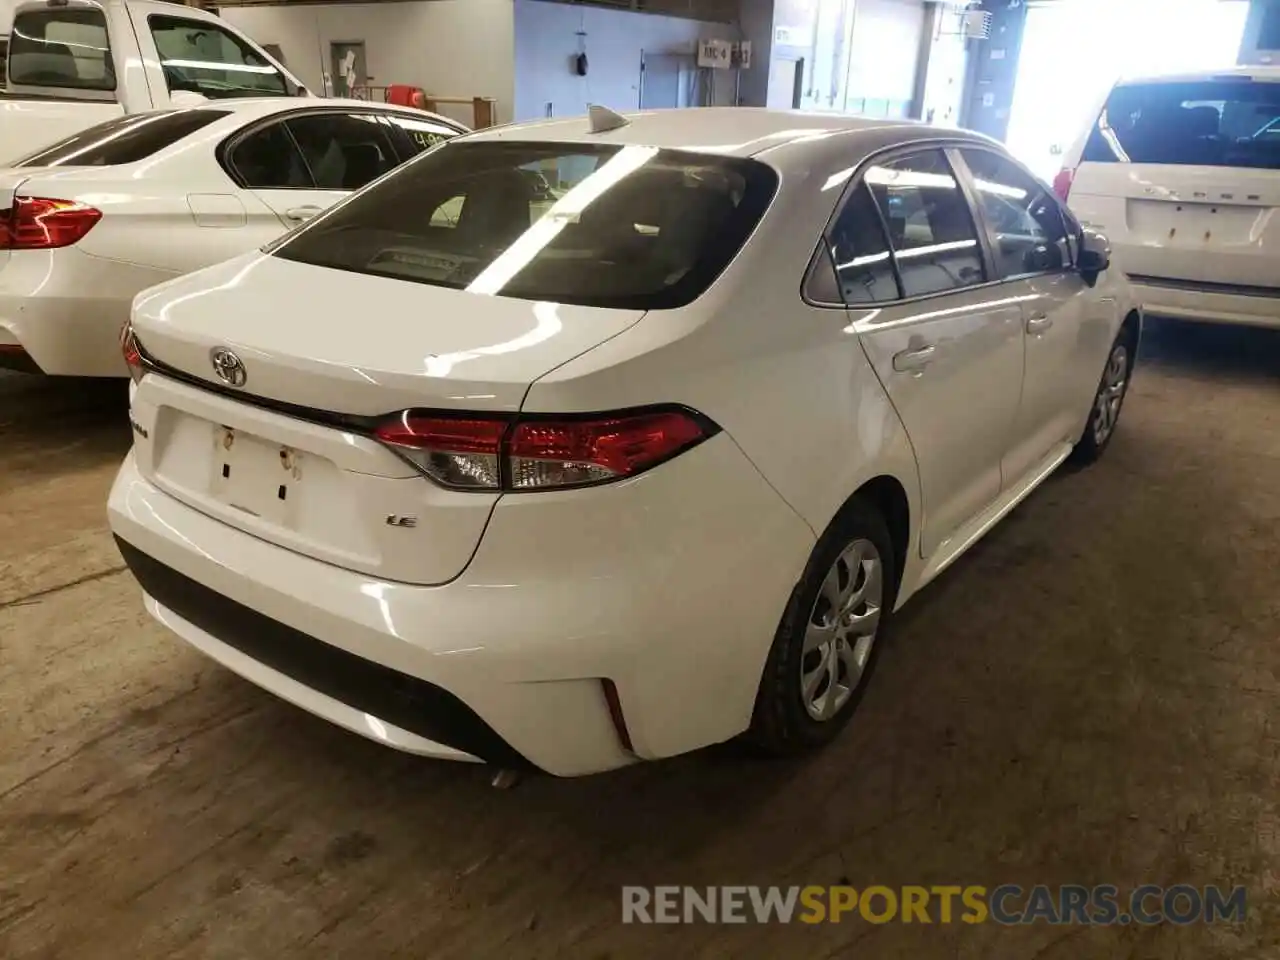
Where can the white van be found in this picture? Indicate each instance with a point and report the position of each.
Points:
(1182, 173)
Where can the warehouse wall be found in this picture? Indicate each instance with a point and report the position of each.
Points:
(547, 40)
(448, 47)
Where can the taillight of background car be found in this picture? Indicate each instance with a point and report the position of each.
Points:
(541, 452)
(132, 352)
(42, 223)
(1062, 183)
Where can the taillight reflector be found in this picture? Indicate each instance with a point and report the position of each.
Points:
(1062, 183)
(42, 223)
(131, 351)
(540, 453)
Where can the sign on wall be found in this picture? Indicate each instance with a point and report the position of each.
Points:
(346, 59)
(793, 36)
(715, 53)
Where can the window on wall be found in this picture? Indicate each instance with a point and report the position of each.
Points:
(1269, 30)
(204, 58)
(1027, 231)
(931, 230)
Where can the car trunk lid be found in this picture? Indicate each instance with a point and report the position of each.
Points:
(288, 455)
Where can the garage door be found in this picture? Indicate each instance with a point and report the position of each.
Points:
(884, 55)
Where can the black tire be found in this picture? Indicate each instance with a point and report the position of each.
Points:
(781, 725)
(1093, 443)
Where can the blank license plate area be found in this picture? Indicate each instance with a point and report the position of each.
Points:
(256, 476)
(1193, 224)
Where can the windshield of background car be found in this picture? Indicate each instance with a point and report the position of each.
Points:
(126, 139)
(614, 226)
(1220, 123)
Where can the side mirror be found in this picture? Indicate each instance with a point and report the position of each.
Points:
(1095, 256)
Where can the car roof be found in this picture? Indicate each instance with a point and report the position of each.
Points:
(253, 108)
(1265, 72)
(783, 136)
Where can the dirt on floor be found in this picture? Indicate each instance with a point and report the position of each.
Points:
(1090, 696)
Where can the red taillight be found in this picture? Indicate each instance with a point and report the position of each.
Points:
(540, 453)
(455, 451)
(1062, 183)
(571, 453)
(39, 223)
(131, 351)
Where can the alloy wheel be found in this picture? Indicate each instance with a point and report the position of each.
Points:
(841, 630)
(1106, 407)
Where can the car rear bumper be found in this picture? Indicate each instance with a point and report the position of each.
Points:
(65, 309)
(1212, 304)
(670, 587)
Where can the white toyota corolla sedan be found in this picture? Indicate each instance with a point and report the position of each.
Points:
(88, 222)
(580, 442)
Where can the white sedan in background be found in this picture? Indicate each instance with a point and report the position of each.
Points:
(89, 222)
(571, 479)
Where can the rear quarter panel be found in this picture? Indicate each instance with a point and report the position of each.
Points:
(787, 381)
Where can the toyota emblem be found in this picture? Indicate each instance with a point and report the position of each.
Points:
(228, 367)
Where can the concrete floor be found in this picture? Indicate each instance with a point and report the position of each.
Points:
(1090, 696)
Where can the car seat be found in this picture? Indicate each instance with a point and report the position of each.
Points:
(364, 163)
(496, 211)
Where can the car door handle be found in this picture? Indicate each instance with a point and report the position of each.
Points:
(299, 214)
(914, 359)
(1039, 323)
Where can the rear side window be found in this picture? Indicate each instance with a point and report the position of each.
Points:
(344, 151)
(863, 265)
(4, 59)
(126, 139)
(1232, 122)
(602, 225)
(204, 58)
(63, 47)
(269, 159)
(931, 230)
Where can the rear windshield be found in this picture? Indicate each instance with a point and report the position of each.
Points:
(63, 47)
(1218, 123)
(632, 227)
(126, 139)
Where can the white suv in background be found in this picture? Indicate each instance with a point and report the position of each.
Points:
(1182, 173)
